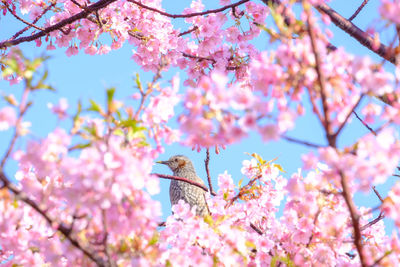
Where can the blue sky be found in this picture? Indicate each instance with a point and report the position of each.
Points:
(85, 77)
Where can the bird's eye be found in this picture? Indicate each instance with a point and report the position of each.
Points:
(175, 159)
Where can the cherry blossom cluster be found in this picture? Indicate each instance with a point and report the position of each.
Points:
(83, 196)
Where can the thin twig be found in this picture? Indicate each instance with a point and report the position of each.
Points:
(195, 14)
(105, 239)
(377, 194)
(314, 106)
(22, 20)
(387, 253)
(358, 10)
(34, 21)
(83, 14)
(66, 231)
(358, 34)
(171, 177)
(149, 90)
(243, 190)
(364, 123)
(199, 57)
(380, 216)
(347, 117)
(321, 81)
(301, 142)
(23, 107)
(188, 31)
(255, 228)
(206, 163)
(355, 218)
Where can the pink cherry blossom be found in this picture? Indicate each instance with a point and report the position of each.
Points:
(8, 118)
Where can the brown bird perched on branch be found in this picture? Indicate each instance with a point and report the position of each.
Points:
(181, 166)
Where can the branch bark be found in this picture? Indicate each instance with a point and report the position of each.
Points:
(355, 218)
(206, 163)
(195, 14)
(171, 177)
(66, 231)
(358, 34)
(83, 14)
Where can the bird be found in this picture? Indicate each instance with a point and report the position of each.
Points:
(182, 166)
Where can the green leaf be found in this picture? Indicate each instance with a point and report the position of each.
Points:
(78, 112)
(12, 64)
(138, 83)
(81, 146)
(286, 260)
(90, 130)
(208, 219)
(95, 107)
(258, 158)
(154, 239)
(7, 72)
(279, 167)
(110, 95)
(250, 244)
(240, 183)
(119, 132)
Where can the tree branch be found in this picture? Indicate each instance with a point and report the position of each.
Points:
(301, 142)
(195, 14)
(34, 21)
(188, 31)
(83, 14)
(321, 81)
(206, 162)
(364, 123)
(66, 231)
(22, 20)
(347, 117)
(355, 218)
(355, 32)
(380, 216)
(171, 177)
(358, 10)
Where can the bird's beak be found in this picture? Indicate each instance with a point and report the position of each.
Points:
(163, 162)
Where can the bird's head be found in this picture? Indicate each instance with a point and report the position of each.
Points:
(177, 162)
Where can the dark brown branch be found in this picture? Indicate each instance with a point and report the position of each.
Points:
(355, 32)
(380, 216)
(66, 231)
(188, 31)
(364, 123)
(105, 240)
(321, 81)
(358, 10)
(206, 163)
(34, 21)
(377, 194)
(171, 177)
(314, 106)
(387, 253)
(199, 58)
(255, 228)
(195, 14)
(242, 190)
(355, 218)
(83, 14)
(22, 20)
(301, 142)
